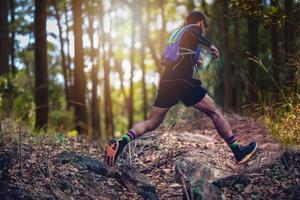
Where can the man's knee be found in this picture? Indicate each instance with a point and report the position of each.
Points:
(209, 108)
(213, 112)
(154, 123)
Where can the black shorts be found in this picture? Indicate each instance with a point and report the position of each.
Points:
(170, 92)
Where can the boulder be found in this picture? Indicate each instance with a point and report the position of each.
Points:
(137, 182)
(126, 174)
(196, 179)
(83, 162)
(5, 162)
(196, 170)
(196, 138)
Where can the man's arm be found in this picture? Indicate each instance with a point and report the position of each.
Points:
(196, 32)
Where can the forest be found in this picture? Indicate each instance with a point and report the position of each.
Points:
(76, 73)
(94, 66)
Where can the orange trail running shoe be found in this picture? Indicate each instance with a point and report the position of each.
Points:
(112, 152)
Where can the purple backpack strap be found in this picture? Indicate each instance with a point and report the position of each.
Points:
(171, 51)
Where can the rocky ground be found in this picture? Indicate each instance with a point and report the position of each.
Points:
(187, 161)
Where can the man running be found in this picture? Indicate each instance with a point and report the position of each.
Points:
(177, 84)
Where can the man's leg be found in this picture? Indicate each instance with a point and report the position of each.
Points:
(156, 117)
(207, 106)
(242, 154)
(116, 146)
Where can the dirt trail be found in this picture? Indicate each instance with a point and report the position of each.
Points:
(199, 142)
(48, 171)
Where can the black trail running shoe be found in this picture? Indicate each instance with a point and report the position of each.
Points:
(245, 153)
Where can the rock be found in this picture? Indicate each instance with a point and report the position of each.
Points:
(231, 180)
(288, 157)
(210, 145)
(127, 174)
(195, 179)
(15, 193)
(47, 196)
(166, 171)
(196, 170)
(174, 185)
(192, 137)
(5, 162)
(137, 182)
(202, 189)
(84, 162)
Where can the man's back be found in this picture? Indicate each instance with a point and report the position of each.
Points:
(184, 66)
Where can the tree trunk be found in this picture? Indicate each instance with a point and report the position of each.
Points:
(120, 72)
(290, 46)
(62, 53)
(163, 24)
(79, 75)
(131, 94)
(41, 69)
(154, 56)
(144, 89)
(4, 37)
(274, 49)
(228, 84)
(95, 112)
(107, 90)
(253, 40)
(12, 39)
(70, 75)
(110, 56)
(142, 51)
(237, 51)
(150, 43)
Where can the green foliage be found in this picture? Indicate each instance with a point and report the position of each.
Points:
(213, 80)
(8, 91)
(15, 99)
(61, 138)
(17, 94)
(256, 9)
(280, 112)
(61, 120)
(179, 114)
(284, 121)
(120, 111)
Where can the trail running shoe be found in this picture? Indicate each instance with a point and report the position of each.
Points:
(112, 152)
(245, 153)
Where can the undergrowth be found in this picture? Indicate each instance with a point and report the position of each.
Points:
(15, 132)
(283, 118)
(284, 122)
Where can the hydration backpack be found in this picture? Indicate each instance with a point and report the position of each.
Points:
(171, 52)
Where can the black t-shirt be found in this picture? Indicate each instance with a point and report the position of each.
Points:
(184, 66)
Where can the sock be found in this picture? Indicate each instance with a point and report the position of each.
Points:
(234, 146)
(126, 138)
(132, 135)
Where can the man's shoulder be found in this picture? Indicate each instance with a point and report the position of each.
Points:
(193, 27)
(194, 30)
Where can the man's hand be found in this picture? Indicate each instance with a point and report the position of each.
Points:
(214, 52)
(199, 62)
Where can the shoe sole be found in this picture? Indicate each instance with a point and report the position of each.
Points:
(111, 158)
(246, 158)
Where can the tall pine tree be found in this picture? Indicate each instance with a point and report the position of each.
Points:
(79, 75)
(41, 69)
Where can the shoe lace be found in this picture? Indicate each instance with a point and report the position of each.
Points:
(111, 150)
